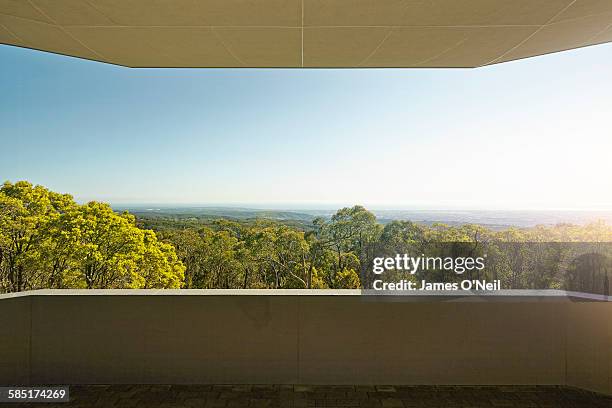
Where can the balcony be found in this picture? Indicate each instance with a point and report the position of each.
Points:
(340, 337)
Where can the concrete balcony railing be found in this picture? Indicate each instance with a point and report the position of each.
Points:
(303, 337)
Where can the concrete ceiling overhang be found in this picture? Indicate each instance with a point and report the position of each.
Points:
(304, 33)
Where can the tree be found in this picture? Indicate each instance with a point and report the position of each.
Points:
(220, 267)
(351, 230)
(283, 255)
(49, 241)
(25, 213)
(188, 246)
(158, 267)
(111, 252)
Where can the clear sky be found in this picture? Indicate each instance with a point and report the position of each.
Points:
(530, 134)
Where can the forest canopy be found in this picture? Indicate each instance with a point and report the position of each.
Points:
(47, 240)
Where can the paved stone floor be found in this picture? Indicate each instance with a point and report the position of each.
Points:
(194, 396)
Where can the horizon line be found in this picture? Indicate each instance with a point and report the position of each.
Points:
(335, 206)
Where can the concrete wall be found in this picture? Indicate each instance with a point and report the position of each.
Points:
(15, 324)
(589, 346)
(357, 341)
(105, 337)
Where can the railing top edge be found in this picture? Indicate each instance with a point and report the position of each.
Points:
(512, 294)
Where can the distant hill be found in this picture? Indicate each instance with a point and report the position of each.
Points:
(491, 218)
(157, 218)
(216, 212)
(496, 218)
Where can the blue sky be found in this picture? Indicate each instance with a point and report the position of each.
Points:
(530, 134)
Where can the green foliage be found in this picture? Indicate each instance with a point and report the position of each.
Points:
(49, 241)
(348, 279)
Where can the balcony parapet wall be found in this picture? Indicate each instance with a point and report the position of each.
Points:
(304, 337)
